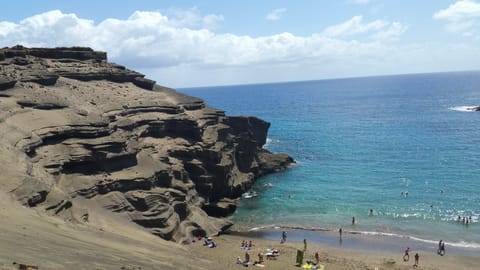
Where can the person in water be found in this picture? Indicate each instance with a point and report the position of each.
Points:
(284, 237)
(353, 220)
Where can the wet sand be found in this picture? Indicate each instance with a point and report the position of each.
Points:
(361, 242)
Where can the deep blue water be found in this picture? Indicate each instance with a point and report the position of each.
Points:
(359, 143)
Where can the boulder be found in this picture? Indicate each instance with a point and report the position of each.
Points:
(6, 83)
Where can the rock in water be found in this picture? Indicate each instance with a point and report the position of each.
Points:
(78, 131)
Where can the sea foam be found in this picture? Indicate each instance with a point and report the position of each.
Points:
(463, 108)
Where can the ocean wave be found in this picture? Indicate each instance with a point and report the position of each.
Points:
(289, 227)
(463, 108)
(270, 141)
(460, 244)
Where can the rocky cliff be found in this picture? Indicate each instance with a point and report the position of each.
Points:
(78, 134)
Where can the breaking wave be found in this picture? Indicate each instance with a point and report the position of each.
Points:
(460, 244)
(463, 108)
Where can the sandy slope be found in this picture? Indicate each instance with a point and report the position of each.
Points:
(30, 237)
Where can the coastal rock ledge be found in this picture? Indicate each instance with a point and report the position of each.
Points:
(92, 141)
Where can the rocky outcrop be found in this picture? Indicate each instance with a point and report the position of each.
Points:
(78, 133)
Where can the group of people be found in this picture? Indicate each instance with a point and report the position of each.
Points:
(440, 251)
(406, 257)
(465, 220)
(246, 244)
(273, 253)
(270, 254)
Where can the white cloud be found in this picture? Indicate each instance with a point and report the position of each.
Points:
(276, 14)
(394, 31)
(182, 50)
(460, 10)
(462, 16)
(361, 2)
(193, 19)
(152, 40)
(381, 30)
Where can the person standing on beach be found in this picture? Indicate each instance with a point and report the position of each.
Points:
(406, 256)
(417, 257)
(439, 250)
(340, 232)
(442, 249)
(284, 237)
(317, 258)
(304, 244)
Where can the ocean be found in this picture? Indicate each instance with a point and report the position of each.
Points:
(405, 147)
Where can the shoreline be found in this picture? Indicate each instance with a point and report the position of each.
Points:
(333, 258)
(355, 241)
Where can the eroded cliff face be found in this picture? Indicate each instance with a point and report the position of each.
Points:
(79, 134)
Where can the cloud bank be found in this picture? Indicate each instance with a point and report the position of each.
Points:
(184, 49)
(153, 40)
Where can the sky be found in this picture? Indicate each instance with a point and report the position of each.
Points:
(188, 43)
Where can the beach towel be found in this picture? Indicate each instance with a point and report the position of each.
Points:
(313, 266)
(307, 266)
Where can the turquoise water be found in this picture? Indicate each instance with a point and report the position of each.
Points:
(359, 144)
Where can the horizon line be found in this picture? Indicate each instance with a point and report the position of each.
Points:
(330, 79)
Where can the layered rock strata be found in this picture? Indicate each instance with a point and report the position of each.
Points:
(78, 133)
